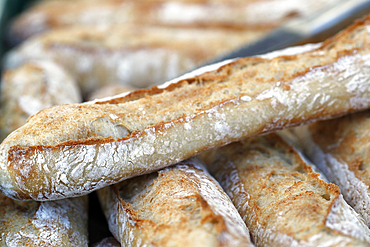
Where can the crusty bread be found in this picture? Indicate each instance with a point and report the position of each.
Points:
(242, 14)
(135, 55)
(280, 197)
(58, 223)
(25, 91)
(180, 205)
(74, 149)
(340, 148)
(30, 88)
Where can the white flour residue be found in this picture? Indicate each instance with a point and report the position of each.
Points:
(174, 12)
(196, 72)
(295, 50)
(52, 224)
(344, 219)
(219, 202)
(359, 84)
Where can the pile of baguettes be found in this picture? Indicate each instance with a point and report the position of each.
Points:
(193, 161)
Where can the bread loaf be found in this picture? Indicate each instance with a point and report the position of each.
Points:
(30, 88)
(25, 91)
(135, 55)
(248, 14)
(71, 150)
(340, 148)
(178, 206)
(281, 199)
(58, 223)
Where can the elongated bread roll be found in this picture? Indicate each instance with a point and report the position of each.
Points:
(251, 14)
(139, 56)
(28, 89)
(340, 148)
(280, 197)
(176, 206)
(74, 149)
(57, 223)
(25, 91)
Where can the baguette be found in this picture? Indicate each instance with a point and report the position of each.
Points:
(30, 88)
(139, 56)
(71, 150)
(248, 14)
(340, 148)
(281, 198)
(58, 223)
(176, 206)
(25, 91)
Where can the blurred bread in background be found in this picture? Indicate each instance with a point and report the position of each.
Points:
(142, 43)
(134, 55)
(229, 14)
(31, 87)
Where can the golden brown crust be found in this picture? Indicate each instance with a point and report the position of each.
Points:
(30, 88)
(176, 206)
(340, 148)
(149, 129)
(347, 139)
(279, 196)
(59, 223)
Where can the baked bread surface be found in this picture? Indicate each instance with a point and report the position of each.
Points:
(281, 199)
(30, 223)
(28, 89)
(73, 149)
(340, 148)
(178, 206)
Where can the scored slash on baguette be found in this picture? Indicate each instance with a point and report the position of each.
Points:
(281, 199)
(340, 148)
(71, 150)
(172, 207)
